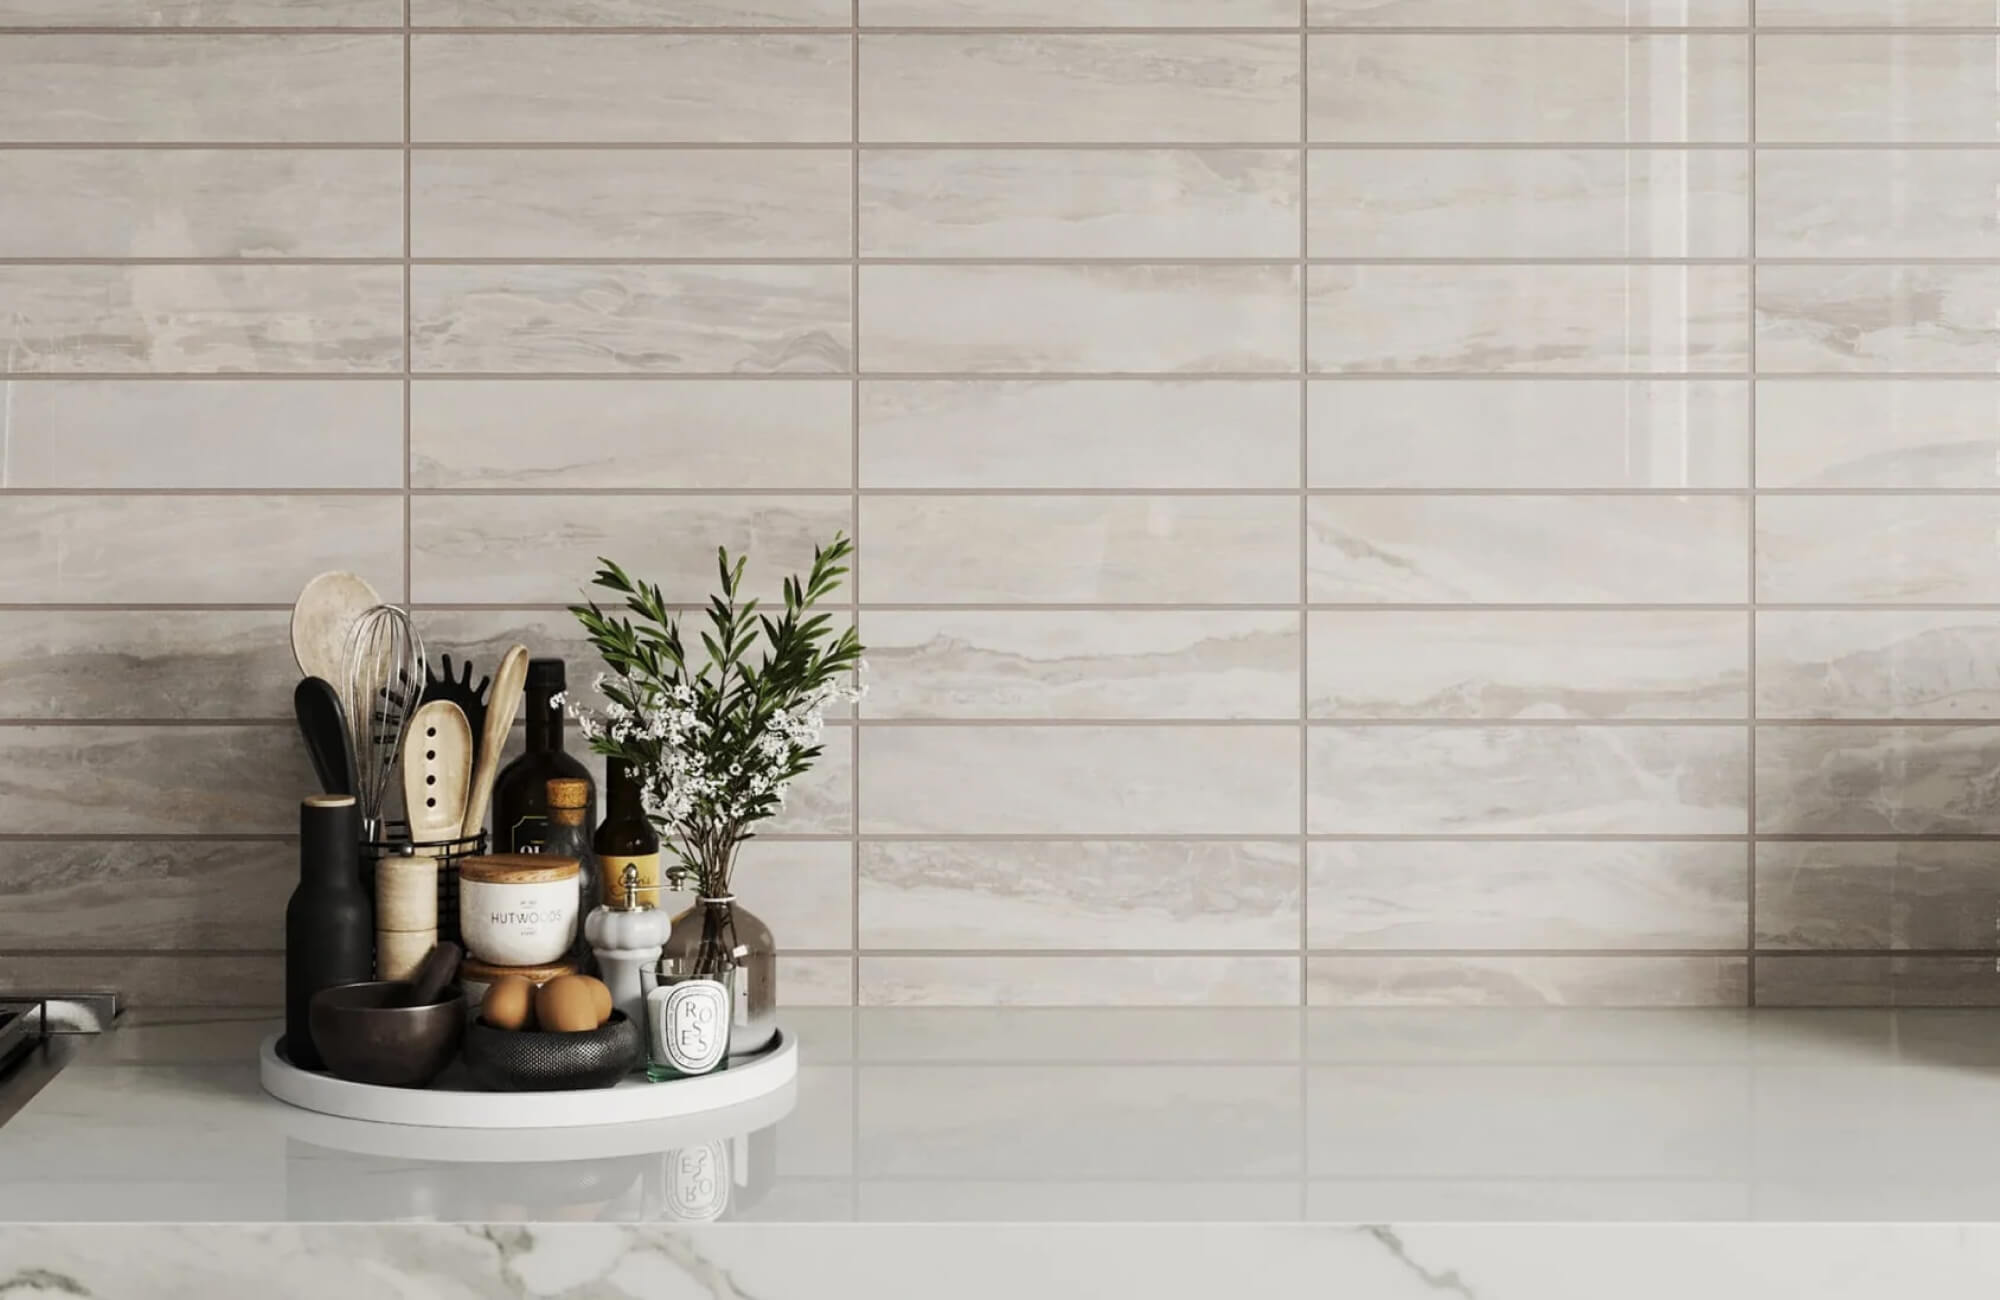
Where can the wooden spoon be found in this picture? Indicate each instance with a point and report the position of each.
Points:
(437, 768)
(510, 680)
(323, 616)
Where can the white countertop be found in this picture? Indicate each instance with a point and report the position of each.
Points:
(976, 1116)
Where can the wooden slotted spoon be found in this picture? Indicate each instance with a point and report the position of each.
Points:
(437, 770)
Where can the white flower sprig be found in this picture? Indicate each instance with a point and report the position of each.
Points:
(715, 748)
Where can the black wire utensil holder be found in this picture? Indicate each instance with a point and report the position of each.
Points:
(395, 842)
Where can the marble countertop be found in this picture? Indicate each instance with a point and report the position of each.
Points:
(983, 1117)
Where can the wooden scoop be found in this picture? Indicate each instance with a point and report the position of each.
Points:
(323, 618)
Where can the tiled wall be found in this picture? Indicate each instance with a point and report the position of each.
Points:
(1395, 502)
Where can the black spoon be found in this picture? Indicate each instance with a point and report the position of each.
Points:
(324, 725)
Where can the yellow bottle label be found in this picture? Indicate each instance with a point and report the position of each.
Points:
(613, 870)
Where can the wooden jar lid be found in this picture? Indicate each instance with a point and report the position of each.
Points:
(485, 972)
(518, 869)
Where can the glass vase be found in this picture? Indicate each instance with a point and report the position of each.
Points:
(719, 938)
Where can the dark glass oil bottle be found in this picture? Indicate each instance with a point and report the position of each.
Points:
(521, 795)
(627, 837)
(568, 836)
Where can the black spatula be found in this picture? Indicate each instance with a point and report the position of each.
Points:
(324, 725)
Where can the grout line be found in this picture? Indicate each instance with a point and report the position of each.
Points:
(409, 338)
(971, 31)
(854, 501)
(1138, 492)
(1750, 579)
(614, 261)
(1077, 608)
(1032, 146)
(1304, 508)
(1275, 837)
(999, 376)
(1154, 953)
(1305, 725)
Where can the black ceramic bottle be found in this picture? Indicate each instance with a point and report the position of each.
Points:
(521, 795)
(329, 925)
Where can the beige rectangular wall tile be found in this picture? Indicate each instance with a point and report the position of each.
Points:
(815, 981)
(1528, 203)
(1451, 894)
(1051, 780)
(542, 549)
(1130, 550)
(670, 433)
(1079, 203)
(1877, 202)
(1062, 89)
(1526, 13)
(1548, 88)
(1877, 894)
(804, 890)
(1878, 433)
(148, 895)
(612, 203)
(1881, 549)
(1813, 980)
(1529, 319)
(1079, 981)
(1878, 663)
(1929, 89)
(1446, 981)
(1529, 433)
(114, 780)
(630, 13)
(1164, 319)
(630, 319)
(1091, 894)
(1875, 780)
(201, 319)
(161, 979)
(198, 88)
(1095, 433)
(1584, 664)
(232, 550)
(658, 89)
(200, 13)
(1081, 664)
(1527, 549)
(1096, 13)
(201, 203)
(206, 433)
(1373, 780)
(1878, 318)
(1874, 13)
(205, 664)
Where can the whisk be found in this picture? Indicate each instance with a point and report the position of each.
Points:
(385, 675)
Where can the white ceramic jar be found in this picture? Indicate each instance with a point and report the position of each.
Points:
(518, 909)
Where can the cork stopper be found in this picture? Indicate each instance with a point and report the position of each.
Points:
(568, 797)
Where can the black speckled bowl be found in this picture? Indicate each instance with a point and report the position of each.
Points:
(526, 1060)
(366, 1039)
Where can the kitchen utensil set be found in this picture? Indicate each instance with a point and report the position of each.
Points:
(368, 701)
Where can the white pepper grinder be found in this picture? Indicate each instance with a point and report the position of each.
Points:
(627, 939)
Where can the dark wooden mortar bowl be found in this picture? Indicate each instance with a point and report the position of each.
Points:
(365, 1038)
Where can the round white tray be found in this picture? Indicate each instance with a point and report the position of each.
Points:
(446, 1106)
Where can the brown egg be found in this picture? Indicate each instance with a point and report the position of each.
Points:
(509, 1003)
(566, 1005)
(602, 992)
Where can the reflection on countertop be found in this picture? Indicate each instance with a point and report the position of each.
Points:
(1008, 1115)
